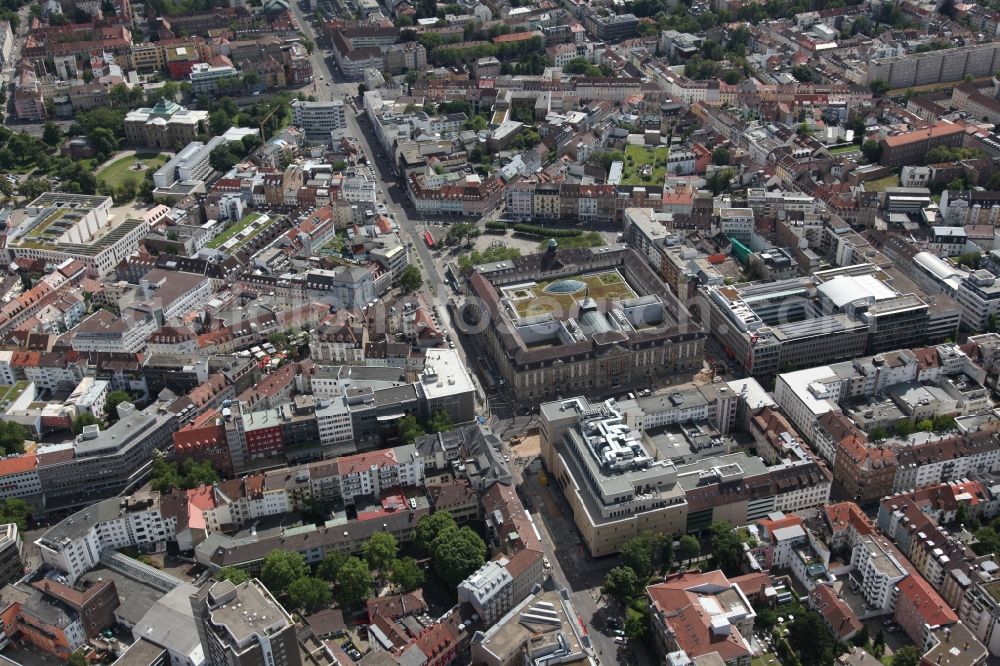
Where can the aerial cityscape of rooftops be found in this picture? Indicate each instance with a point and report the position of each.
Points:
(500, 332)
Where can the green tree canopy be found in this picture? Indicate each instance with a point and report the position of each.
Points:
(429, 527)
(114, 399)
(186, 474)
(407, 574)
(409, 279)
(727, 547)
(647, 553)
(809, 637)
(636, 622)
(308, 593)
(354, 582)
(232, 574)
(222, 158)
(219, 122)
(440, 422)
(409, 429)
(281, 569)
(688, 547)
(908, 655)
(330, 566)
(457, 553)
(878, 645)
(498, 253)
(380, 551)
(13, 510)
(12, 436)
(51, 134)
(872, 150)
(622, 584)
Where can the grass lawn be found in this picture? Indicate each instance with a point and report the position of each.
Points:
(9, 392)
(766, 659)
(840, 150)
(115, 173)
(232, 231)
(536, 300)
(882, 183)
(638, 157)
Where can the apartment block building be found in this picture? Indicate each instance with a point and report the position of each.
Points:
(878, 571)
(489, 590)
(243, 625)
(401, 58)
(321, 121)
(375, 472)
(207, 79)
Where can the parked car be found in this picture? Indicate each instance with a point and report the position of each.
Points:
(546, 563)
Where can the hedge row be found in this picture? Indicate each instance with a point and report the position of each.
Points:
(545, 232)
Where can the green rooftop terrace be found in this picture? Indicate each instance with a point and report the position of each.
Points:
(234, 230)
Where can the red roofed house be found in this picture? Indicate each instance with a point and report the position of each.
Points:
(374, 472)
(439, 643)
(780, 540)
(514, 37)
(702, 613)
(845, 523)
(205, 442)
(920, 610)
(910, 147)
(836, 613)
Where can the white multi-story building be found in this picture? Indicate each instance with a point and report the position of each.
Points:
(955, 459)
(736, 223)
(74, 546)
(769, 203)
(104, 332)
(443, 124)
(63, 226)
(357, 187)
(205, 78)
(878, 571)
(979, 297)
(19, 475)
(174, 293)
(336, 431)
(191, 163)
(52, 376)
(392, 256)
(89, 396)
(370, 473)
(980, 609)
(490, 591)
(804, 396)
(681, 162)
(321, 121)
(646, 232)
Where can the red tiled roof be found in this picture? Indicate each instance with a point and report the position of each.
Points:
(362, 462)
(680, 600)
(928, 603)
(935, 131)
(838, 615)
(18, 464)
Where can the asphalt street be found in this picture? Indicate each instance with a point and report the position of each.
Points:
(505, 419)
(574, 569)
(329, 84)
